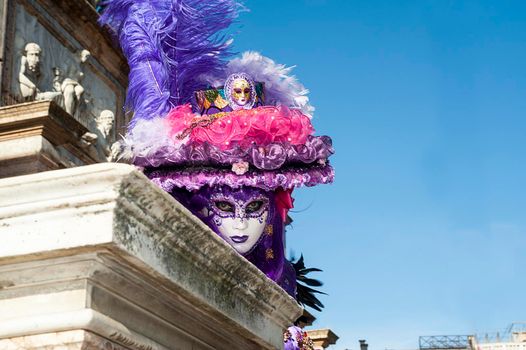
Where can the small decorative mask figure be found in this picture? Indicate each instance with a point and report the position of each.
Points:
(240, 91)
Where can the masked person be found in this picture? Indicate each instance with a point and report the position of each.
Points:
(229, 139)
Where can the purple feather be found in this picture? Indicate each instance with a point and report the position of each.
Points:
(169, 45)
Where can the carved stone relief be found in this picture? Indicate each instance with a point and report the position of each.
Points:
(47, 68)
(30, 75)
(129, 342)
(105, 124)
(69, 84)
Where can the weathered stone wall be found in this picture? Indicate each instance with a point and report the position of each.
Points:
(100, 248)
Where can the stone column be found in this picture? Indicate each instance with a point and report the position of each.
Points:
(97, 257)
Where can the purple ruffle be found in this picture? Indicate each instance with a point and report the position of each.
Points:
(270, 157)
(193, 179)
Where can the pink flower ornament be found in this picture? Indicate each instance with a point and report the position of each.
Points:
(240, 168)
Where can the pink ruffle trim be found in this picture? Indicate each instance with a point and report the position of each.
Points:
(262, 126)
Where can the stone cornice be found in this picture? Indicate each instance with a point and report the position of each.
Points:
(116, 212)
(44, 118)
(322, 337)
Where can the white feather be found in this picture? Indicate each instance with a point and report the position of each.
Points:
(281, 88)
(146, 137)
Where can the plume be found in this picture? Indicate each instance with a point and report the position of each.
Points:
(305, 294)
(169, 44)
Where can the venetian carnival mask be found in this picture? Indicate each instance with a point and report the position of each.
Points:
(240, 91)
(240, 218)
(250, 220)
(245, 217)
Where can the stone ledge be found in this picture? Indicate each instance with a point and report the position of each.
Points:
(38, 136)
(132, 249)
(322, 338)
(44, 118)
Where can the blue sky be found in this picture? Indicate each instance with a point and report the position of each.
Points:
(424, 230)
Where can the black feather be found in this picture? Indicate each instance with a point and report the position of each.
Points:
(305, 294)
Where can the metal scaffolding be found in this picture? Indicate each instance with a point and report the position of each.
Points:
(444, 342)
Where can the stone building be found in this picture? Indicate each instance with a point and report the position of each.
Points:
(514, 338)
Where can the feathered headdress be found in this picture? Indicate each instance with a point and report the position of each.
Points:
(187, 129)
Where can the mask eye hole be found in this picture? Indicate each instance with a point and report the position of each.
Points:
(247, 91)
(237, 91)
(254, 206)
(225, 206)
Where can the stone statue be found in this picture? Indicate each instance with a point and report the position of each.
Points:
(115, 152)
(58, 77)
(105, 123)
(29, 75)
(70, 85)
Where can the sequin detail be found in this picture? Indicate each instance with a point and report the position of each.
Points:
(194, 179)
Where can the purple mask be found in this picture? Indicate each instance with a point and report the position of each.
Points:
(247, 219)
